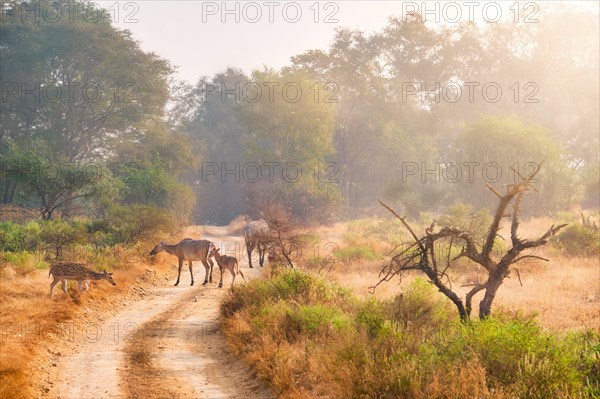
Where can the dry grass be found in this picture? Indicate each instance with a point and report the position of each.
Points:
(312, 339)
(564, 292)
(34, 327)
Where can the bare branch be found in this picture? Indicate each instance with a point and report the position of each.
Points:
(543, 239)
(494, 190)
(404, 223)
(515, 221)
(519, 276)
(530, 256)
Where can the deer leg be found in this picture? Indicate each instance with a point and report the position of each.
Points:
(179, 272)
(206, 267)
(261, 254)
(233, 273)
(52, 285)
(239, 269)
(250, 248)
(86, 286)
(221, 280)
(212, 264)
(191, 273)
(64, 285)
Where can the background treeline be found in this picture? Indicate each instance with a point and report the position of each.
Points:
(374, 115)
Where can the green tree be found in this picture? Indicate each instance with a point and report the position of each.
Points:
(498, 151)
(75, 82)
(56, 184)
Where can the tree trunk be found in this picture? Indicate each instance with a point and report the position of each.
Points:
(485, 306)
(9, 191)
(433, 277)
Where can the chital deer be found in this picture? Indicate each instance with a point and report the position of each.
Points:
(226, 262)
(256, 235)
(76, 271)
(189, 250)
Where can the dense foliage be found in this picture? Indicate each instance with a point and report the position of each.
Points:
(373, 115)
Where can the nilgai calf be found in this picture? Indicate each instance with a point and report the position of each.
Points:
(226, 262)
(76, 271)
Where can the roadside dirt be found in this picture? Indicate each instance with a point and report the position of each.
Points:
(166, 345)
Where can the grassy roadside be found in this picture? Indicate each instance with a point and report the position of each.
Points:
(310, 338)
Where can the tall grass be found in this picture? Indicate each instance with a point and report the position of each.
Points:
(310, 338)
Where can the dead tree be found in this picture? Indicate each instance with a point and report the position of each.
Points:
(285, 241)
(420, 253)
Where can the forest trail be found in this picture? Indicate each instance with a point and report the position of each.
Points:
(166, 345)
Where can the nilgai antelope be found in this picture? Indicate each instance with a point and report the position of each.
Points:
(226, 262)
(190, 250)
(256, 235)
(76, 271)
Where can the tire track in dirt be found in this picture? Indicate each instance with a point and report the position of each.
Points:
(179, 354)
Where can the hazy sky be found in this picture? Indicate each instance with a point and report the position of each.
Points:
(202, 37)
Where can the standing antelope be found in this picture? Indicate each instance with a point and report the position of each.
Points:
(226, 262)
(76, 271)
(256, 235)
(190, 250)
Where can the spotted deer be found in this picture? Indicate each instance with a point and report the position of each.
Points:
(226, 262)
(76, 271)
(189, 250)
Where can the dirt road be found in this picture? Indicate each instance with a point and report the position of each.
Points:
(167, 345)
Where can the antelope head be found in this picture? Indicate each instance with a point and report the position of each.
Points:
(157, 248)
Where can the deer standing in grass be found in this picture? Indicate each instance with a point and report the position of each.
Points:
(226, 262)
(256, 235)
(76, 271)
(189, 250)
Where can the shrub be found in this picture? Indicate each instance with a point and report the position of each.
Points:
(314, 321)
(420, 307)
(154, 187)
(22, 262)
(58, 234)
(11, 237)
(351, 254)
(579, 240)
(462, 217)
(131, 223)
(434, 356)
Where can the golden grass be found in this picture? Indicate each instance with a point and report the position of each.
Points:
(564, 292)
(33, 324)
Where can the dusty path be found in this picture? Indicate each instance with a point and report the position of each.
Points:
(167, 345)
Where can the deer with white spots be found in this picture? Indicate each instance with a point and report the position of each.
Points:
(76, 271)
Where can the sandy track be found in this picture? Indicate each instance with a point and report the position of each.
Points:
(167, 345)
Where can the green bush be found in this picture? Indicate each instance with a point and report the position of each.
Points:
(350, 254)
(462, 217)
(12, 237)
(131, 223)
(314, 321)
(579, 240)
(420, 307)
(22, 262)
(58, 234)
(433, 356)
(372, 315)
(154, 187)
